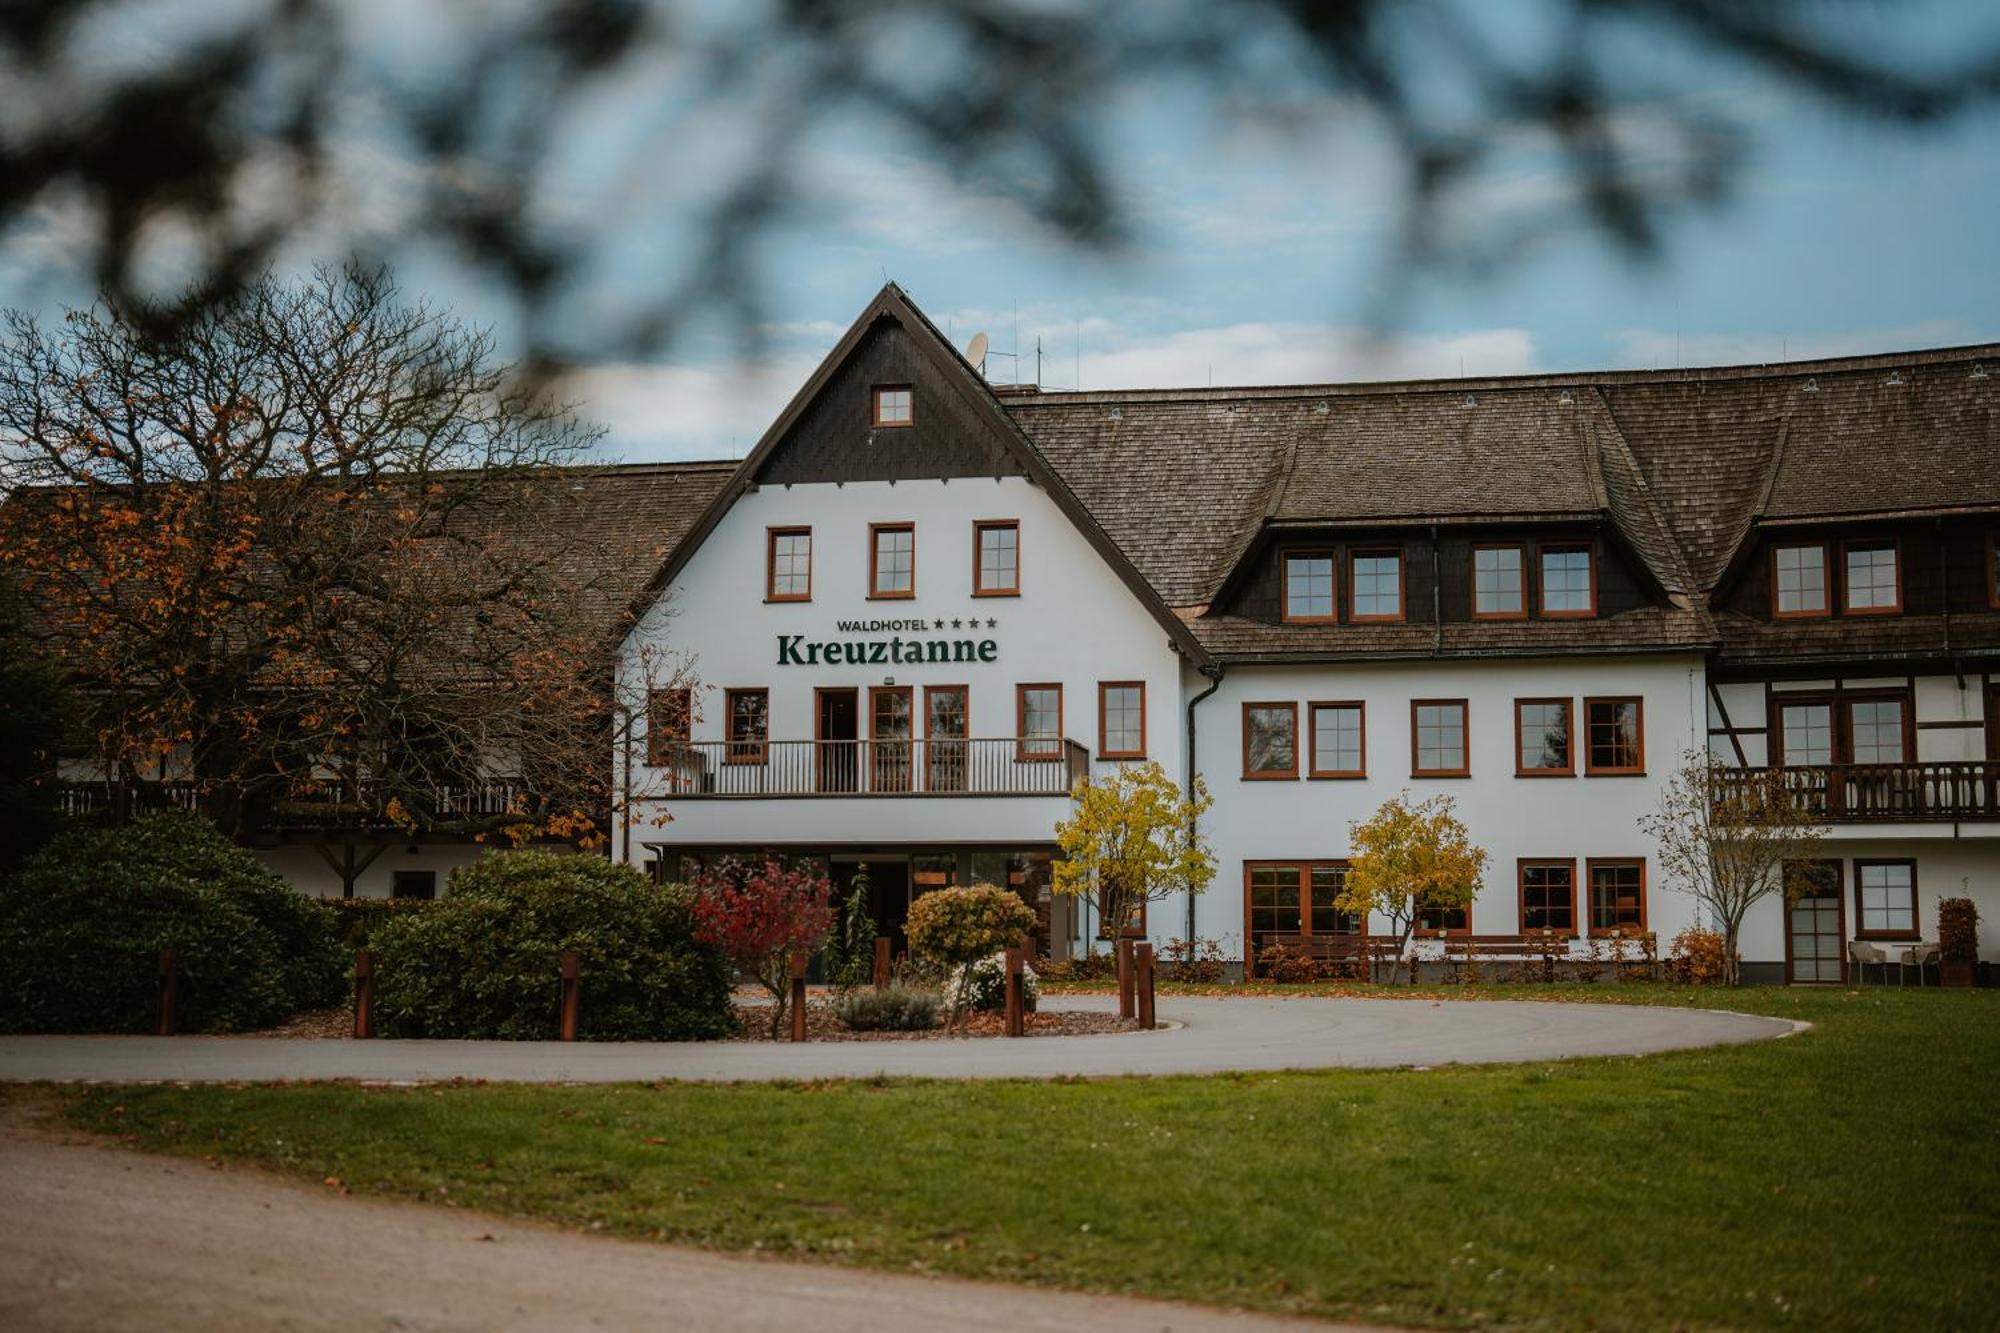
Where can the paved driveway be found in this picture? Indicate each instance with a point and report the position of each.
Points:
(1213, 1036)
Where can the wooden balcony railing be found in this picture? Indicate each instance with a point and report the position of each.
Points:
(997, 766)
(1892, 793)
(325, 804)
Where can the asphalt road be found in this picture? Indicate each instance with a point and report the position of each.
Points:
(100, 1238)
(1212, 1036)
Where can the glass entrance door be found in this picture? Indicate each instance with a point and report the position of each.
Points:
(837, 728)
(945, 732)
(1815, 924)
(889, 738)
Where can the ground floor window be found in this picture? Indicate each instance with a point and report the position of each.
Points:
(1295, 899)
(1886, 898)
(1617, 897)
(1548, 896)
(413, 884)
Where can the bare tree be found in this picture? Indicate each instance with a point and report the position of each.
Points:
(1725, 836)
(258, 130)
(310, 546)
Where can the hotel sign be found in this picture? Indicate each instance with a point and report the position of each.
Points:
(882, 643)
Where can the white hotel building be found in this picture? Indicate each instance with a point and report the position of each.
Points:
(924, 606)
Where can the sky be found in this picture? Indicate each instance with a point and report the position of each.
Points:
(1257, 258)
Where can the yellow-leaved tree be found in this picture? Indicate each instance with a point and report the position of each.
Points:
(1134, 839)
(1407, 859)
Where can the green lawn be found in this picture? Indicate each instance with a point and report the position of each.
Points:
(1849, 1178)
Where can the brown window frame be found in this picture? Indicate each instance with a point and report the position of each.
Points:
(1590, 864)
(875, 393)
(744, 752)
(659, 738)
(1521, 866)
(1472, 580)
(1569, 706)
(1840, 720)
(1313, 770)
(1827, 573)
(1359, 553)
(1840, 902)
(1276, 774)
(1847, 608)
(1305, 867)
(1591, 770)
(980, 528)
(771, 535)
(1542, 553)
(1331, 555)
(1418, 930)
(875, 593)
(940, 752)
(1465, 731)
(1104, 750)
(1024, 744)
(1915, 932)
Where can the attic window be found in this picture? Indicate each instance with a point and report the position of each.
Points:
(1798, 580)
(892, 405)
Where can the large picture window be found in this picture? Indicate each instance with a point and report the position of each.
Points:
(1569, 585)
(1548, 897)
(1798, 581)
(1039, 710)
(1287, 899)
(1271, 740)
(749, 722)
(1615, 739)
(1339, 740)
(997, 558)
(1542, 739)
(1308, 586)
(1499, 583)
(1871, 584)
(788, 565)
(1885, 895)
(1377, 586)
(1121, 719)
(1437, 738)
(1617, 896)
(892, 560)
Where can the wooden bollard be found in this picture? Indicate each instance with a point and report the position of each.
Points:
(572, 982)
(170, 969)
(798, 997)
(1121, 950)
(364, 993)
(1144, 952)
(1017, 1017)
(882, 943)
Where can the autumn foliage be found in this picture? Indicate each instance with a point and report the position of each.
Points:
(761, 914)
(1408, 858)
(1133, 839)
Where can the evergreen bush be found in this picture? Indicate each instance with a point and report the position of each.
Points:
(483, 960)
(892, 1009)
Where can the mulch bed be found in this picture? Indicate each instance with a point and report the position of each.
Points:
(821, 1025)
(316, 1024)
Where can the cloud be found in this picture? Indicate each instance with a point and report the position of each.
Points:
(1651, 349)
(675, 411)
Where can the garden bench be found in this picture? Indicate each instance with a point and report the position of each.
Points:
(1361, 952)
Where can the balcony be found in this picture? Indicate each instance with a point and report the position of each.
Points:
(1892, 793)
(322, 805)
(998, 766)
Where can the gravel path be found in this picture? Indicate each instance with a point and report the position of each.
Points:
(98, 1238)
(1212, 1036)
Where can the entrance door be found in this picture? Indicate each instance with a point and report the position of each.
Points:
(837, 728)
(1815, 923)
(945, 722)
(889, 731)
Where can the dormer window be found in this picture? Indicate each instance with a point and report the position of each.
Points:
(1377, 592)
(1569, 585)
(1798, 580)
(1873, 584)
(1499, 583)
(893, 406)
(1308, 586)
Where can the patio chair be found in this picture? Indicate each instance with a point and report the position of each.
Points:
(1861, 954)
(1918, 956)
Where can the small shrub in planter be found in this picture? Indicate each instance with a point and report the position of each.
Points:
(892, 1009)
(985, 984)
(83, 922)
(482, 961)
(1698, 958)
(1958, 941)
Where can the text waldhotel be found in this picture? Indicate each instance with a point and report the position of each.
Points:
(794, 650)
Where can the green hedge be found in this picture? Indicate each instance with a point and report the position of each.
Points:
(482, 960)
(82, 924)
(361, 918)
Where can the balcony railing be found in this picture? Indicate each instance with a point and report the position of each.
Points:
(325, 804)
(1001, 766)
(1892, 793)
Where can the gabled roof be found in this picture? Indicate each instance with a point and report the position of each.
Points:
(893, 305)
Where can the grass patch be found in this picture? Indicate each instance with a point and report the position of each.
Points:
(1847, 1178)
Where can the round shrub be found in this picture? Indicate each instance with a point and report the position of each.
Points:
(891, 1009)
(958, 926)
(482, 961)
(83, 922)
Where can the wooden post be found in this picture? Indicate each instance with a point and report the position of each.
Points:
(364, 993)
(1121, 950)
(882, 943)
(1017, 1019)
(798, 997)
(170, 967)
(1144, 950)
(572, 980)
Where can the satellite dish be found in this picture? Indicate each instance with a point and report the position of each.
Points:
(975, 352)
